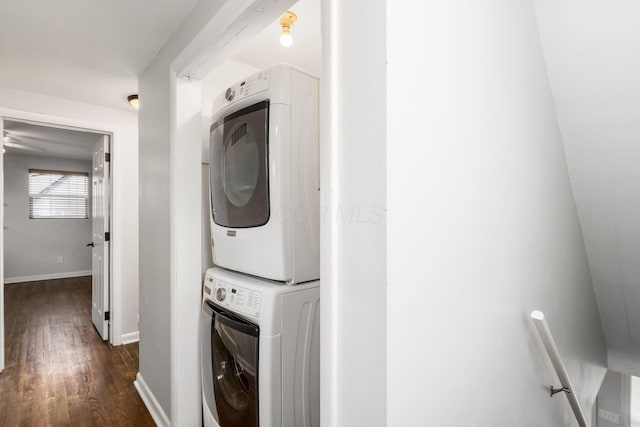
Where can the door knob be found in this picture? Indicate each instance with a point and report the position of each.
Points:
(91, 244)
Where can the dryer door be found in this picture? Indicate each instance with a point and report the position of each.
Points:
(233, 378)
(240, 168)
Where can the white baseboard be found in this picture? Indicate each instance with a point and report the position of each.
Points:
(151, 403)
(51, 276)
(129, 338)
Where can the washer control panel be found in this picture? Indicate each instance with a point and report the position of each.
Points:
(253, 84)
(236, 298)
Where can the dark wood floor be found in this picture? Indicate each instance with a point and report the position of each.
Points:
(58, 371)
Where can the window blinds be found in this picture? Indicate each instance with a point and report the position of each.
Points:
(57, 194)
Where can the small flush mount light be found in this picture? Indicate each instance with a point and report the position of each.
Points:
(286, 20)
(133, 100)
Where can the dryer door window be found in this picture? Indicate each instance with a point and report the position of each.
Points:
(234, 367)
(239, 168)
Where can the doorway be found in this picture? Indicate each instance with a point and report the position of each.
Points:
(635, 401)
(57, 210)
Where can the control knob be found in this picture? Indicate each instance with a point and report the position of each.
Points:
(229, 94)
(221, 294)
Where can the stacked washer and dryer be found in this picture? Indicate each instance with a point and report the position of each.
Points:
(260, 334)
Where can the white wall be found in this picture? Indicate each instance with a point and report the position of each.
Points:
(625, 360)
(33, 245)
(482, 224)
(155, 87)
(154, 234)
(123, 127)
(593, 73)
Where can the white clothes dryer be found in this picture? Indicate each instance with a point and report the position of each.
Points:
(260, 352)
(264, 176)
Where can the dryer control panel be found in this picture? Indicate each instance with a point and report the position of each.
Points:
(236, 298)
(253, 84)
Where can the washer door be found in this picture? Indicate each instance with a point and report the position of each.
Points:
(240, 168)
(232, 360)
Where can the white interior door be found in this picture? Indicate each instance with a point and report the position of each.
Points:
(101, 237)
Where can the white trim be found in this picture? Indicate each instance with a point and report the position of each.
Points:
(185, 230)
(151, 403)
(49, 276)
(329, 231)
(129, 338)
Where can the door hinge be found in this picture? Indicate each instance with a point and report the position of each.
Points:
(107, 237)
(107, 315)
(107, 157)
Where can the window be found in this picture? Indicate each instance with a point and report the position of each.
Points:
(56, 194)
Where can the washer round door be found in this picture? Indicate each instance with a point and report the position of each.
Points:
(240, 168)
(230, 361)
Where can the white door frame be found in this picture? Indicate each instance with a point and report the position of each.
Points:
(63, 123)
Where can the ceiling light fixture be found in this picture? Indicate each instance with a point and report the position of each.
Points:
(286, 20)
(133, 100)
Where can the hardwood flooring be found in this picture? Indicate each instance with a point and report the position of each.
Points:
(58, 370)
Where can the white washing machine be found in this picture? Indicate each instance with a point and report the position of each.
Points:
(264, 183)
(260, 352)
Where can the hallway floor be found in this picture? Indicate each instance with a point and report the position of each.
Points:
(58, 371)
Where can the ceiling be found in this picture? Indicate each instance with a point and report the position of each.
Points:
(84, 50)
(40, 140)
(592, 51)
(93, 53)
(265, 49)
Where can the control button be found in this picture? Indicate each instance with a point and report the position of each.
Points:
(229, 94)
(221, 294)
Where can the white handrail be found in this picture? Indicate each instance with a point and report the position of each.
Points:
(561, 370)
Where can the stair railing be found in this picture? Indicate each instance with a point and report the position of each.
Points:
(565, 382)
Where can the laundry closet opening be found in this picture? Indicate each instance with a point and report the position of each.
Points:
(57, 215)
(260, 227)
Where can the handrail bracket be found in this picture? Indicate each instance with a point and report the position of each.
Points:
(559, 390)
